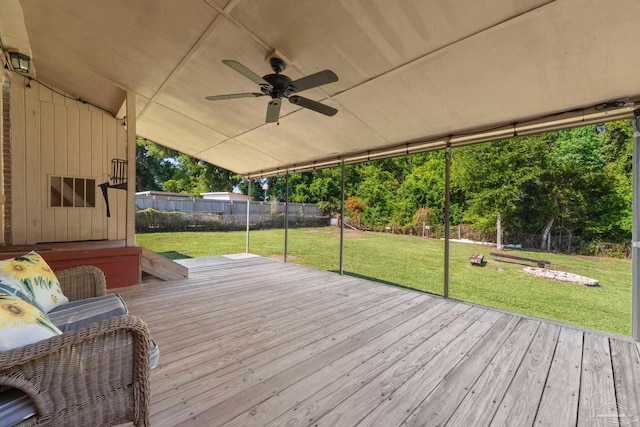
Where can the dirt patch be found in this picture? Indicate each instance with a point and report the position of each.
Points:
(348, 234)
(280, 257)
(592, 258)
(318, 231)
(352, 234)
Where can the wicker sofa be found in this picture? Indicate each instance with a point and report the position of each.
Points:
(94, 375)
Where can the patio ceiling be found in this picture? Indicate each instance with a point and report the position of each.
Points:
(412, 74)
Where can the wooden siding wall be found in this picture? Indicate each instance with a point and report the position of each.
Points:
(55, 135)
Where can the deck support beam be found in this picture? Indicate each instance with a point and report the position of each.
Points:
(342, 222)
(286, 216)
(248, 211)
(635, 234)
(447, 225)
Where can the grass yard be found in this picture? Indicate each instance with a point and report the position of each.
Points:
(416, 263)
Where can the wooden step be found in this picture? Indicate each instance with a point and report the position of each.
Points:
(161, 267)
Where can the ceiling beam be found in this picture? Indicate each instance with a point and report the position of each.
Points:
(600, 113)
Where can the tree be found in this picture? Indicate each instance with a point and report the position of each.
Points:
(154, 165)
(508, 176)
(423, 217)
(160, 168)
(355, 207)
(377, 190)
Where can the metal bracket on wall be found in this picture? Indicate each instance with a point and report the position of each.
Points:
(118, 179)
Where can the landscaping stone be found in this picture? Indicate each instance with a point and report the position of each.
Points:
(561, 276)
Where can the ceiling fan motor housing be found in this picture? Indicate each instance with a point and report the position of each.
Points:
(281, 85)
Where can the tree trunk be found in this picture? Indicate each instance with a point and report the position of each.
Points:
(546, 242)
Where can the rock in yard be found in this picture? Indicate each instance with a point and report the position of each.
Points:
(561, 276)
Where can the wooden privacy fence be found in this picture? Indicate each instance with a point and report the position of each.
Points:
(156, 213)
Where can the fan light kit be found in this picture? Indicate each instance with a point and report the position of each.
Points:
(279, 86)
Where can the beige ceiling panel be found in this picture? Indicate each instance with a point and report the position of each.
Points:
(553, 59)
(80, 83)
(205, 74)
(135, 44)
(361, 40)
(176, 131)
(307, 135)
(220, 3)
(141, 104)
(12, 28)
(237, 157)
(408, 70)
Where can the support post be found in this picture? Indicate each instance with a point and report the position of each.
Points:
(635, 233)
(447, 225)
(130, 230)
(342, 223)
(499, 245)
(286, 217)
(248, 212)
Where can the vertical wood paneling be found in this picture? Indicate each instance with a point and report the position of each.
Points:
(98, 231)
(33, 166)
(73, 168)
(57, 99)
(46, 153)
(18, 172)
(60, 148)
(85, 169)
(55, 135)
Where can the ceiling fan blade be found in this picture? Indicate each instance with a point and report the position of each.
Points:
(313, 105)
(314, 80)
(246, 72)
(233, 96)
(273, 110)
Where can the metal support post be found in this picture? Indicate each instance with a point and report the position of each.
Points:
(447, 191)
(286, 217)
(342, 223)
(248, 209)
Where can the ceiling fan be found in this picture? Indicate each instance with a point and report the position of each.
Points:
(279, 86)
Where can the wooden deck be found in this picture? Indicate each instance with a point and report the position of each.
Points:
(248, 341)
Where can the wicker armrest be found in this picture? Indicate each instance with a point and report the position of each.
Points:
(82, 282)
(96, 375)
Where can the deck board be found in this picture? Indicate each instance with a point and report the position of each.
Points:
(559, 404)
(249, 341)
(597, 390)
(528, 381)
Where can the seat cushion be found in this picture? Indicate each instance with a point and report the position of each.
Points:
(154, 355)
(76, 314)
(15, 406)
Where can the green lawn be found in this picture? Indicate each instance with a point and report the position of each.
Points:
(417, 263)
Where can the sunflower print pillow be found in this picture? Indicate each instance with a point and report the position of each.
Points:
(22, 323)
(31, 274)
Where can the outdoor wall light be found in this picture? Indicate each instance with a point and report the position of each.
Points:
(19, 62)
